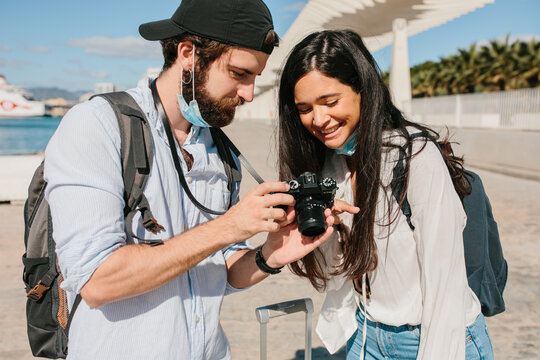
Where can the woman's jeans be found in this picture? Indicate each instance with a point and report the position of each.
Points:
(401, 342)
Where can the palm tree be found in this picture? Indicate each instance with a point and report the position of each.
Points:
(528, 63)
(499, 65)
(502, 64)
(448, 74)
(423, 79)
(470, 66)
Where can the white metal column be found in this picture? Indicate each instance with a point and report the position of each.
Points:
(400, 77)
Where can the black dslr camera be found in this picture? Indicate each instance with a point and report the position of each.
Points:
(312, 196)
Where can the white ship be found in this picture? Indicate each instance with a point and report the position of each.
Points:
(17, 102)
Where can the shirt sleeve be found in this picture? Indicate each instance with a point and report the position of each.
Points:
(439, 219)
(231, 249)
(85, 190)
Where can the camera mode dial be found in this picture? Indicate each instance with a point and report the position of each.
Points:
(329, 182)
(294, 185)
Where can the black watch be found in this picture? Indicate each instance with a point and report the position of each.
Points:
(261, 263)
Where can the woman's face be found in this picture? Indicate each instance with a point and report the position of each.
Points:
(329, 109)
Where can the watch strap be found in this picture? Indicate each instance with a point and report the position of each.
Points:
(261, 263)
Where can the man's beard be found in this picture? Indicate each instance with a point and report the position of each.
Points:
(217, 113)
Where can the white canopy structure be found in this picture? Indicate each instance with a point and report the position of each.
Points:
(379, 22)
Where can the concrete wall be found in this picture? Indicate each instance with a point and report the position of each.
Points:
(15, 175)
(511, 152)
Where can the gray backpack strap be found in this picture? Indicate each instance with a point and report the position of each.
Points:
(229, 165)
(137, 151)
(398, 188)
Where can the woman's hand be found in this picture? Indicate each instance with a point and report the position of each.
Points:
(341, 206)
(288, 244)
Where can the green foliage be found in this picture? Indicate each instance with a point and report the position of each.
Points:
(497, 66)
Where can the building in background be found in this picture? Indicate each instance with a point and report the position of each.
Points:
(101, 88)
(151, 73)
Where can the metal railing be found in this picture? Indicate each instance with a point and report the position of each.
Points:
(513, 109)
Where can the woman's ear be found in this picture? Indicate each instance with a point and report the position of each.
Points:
(185, 54)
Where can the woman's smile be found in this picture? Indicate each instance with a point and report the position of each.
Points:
(329, 131)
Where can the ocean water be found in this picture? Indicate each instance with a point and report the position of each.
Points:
(26, 135)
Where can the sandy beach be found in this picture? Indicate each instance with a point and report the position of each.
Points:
(515, 333)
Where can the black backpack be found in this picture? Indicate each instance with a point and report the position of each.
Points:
(48, 318)
(487, 270)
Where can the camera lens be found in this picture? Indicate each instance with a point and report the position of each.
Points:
(310, 216)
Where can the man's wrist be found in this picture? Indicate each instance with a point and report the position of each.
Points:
(221, 226)
(262, 265)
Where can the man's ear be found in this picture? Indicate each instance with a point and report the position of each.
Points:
(185, 54)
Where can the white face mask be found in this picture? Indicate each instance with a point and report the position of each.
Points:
(190, 112)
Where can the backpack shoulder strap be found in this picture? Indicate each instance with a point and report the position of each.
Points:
(137, 153)
(230, 166)
(398, 188)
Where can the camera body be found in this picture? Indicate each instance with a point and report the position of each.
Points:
(313, 196)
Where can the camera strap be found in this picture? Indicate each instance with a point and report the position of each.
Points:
(176, 160)
(239, 155)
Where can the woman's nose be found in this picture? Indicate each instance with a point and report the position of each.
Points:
(320, 117)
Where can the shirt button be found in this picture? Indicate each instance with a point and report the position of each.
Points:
(197, 318)
(189, 179)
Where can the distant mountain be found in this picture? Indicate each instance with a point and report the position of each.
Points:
(43, 93)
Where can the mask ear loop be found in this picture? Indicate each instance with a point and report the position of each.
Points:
(193, 71)
(182, 82)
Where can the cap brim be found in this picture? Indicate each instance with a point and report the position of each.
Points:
(159, 30)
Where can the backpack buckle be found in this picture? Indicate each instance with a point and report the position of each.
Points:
(152, 225)
(37, 291)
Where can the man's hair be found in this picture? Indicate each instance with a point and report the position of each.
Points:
(207, 50)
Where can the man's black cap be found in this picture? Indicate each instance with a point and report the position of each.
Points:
(244, 23)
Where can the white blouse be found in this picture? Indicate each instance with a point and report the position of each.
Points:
(420, 277)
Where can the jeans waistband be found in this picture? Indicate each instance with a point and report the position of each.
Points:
(396, 329)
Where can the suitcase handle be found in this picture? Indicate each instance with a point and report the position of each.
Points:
(265, 313)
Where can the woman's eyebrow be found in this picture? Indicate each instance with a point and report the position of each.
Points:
(322, 97)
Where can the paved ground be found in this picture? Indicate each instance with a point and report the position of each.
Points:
(515, 333)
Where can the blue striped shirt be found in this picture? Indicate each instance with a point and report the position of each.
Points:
(179, 320)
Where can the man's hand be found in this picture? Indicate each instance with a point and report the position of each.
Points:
(254, 212)
(288, 244)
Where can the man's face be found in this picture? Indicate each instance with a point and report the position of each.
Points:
(226, 84)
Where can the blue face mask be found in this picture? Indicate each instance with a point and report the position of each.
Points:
(349, 147)
(190, 112)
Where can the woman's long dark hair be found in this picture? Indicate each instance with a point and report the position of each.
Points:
(341, 55)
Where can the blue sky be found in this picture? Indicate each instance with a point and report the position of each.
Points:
(73, 44)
